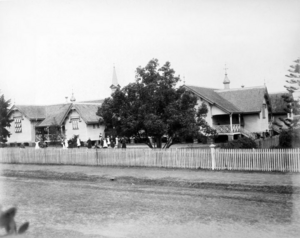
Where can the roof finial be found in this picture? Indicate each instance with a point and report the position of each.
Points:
(183, 80)
(114, 79)
(225, 69)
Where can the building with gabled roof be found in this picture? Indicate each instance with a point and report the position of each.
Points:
(234, 112)
(32, 122)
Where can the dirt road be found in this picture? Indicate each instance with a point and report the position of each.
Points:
(72, 201)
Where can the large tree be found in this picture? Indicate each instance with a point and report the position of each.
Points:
(293, 106)
(153, 107)
(4, 119)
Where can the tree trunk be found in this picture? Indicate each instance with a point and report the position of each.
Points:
(158, 141)
(169, 143)
(149, 144)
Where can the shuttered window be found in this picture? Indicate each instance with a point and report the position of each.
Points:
(75, 124)
(18, 125)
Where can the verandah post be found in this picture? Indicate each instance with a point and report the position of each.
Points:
(213, 156)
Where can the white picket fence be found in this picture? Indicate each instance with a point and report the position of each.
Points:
(216, 159)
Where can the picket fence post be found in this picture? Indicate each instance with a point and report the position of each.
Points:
(213, 156)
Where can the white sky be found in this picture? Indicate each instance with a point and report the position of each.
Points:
(48, 48)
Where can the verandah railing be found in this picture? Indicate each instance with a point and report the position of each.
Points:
(227, 128)
(284, 160)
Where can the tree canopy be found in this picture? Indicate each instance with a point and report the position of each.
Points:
(153, 107)
(293, 85)
(4, 119)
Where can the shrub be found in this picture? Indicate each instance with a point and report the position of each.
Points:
(241, 143)
(189, 139)
(202, 138)
(289, 138)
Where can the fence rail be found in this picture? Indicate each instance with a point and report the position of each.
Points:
(216, 159)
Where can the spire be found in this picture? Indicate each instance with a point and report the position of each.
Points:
(226, 81)
(114, 79)
(115, 84)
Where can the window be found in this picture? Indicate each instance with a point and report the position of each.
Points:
(264, 110)
(75, 124)
(95, 126)
(18, 125)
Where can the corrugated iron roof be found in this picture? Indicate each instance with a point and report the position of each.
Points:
(211, 96)
(88, 112)
(32, 112)
(55, 114)
(100, 101)
(246, 99)
(241, 100)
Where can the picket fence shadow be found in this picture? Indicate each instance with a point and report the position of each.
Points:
(283, 160)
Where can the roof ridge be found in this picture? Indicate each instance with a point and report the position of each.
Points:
(280, 92)
(237, 89)
(31, 105)
(201, 87)
(87, 103)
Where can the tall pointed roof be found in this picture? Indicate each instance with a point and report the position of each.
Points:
(115, 84)
(114, 79)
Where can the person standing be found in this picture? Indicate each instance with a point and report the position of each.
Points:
(123, 143)
(108, 141)
(104, 144)
(37, 145)
(100, 140)
(66, 143)
(118, 144)
(89, 143)
(78, 142)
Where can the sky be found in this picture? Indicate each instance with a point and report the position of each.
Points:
(50, 48)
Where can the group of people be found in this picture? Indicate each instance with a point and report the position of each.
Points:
(108, 142)
(66, 143)
(264, 135)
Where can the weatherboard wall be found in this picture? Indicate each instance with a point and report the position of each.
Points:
(81, 130)
(209, 113)
(25, 135)
(93, 132)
